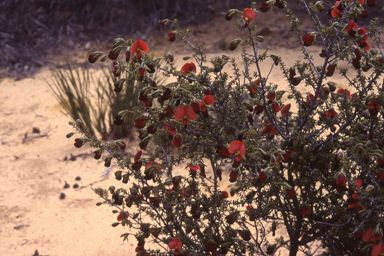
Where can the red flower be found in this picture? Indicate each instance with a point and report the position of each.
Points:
(308, 39)
(253, 87)
(171, 37)
(224, 152)
(140, 122)
(264, 7)
(269, 129)
(371, 3)
(261, 178)
(186, 113)
(78, 143)
(139, 248)
(219, 173)
(331, 113)
(296, 80)
(335, 12)
(138, 155)
(290, 192)
(139, 46)
(369, 237)
(154, 201)
(233, 176)
(271, 97)
(228, 16)
(259, 109)
(331, 68)
(373, 107)
(237, 147)
(122, 216)
(224, 194)
(231, 218)
(310, 99)
(341, 180)
(364, 14)
(193, 168)
(362, 32)
(351, 28)
(196, 107)
(141, 72)
(378, 249)
(188, 67)
(286, 156)
(234, 44)
(175, 244)
(211, 247)
(344, 92)
(304, 210)
(177, 141)
(380, 176)
(275, 107)
(286, 109)
(249, 14)
(170, 129)
(207, 100)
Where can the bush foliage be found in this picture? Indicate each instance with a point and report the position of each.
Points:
(311, 164)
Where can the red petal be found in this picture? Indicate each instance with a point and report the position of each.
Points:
(194, 168)
(341, 180)
(190, 113)
(335, 12)
(224, 194)
(233, 176)
(180, 112)
(208, 100)
(308, 39)
(140, 122)
(367, 235)
(377, 250)
(305, 210)
(358, 183)
(271, 96)
(361, 32)
(177, 141)
(138, 155)
(275, 107)
(170, 129)
(224, 152)
(286, 109)
(264, 7)
(234, 146)
(139, 44)
(351, 25)
(142, 45)
(242, 150)
(290, 192)
(192, 67)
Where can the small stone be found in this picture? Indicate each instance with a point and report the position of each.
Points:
(75, 185)
(35, 130)
(66, 185)
(62, 196)
(78, 178)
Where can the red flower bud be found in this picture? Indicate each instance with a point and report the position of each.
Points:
(171, 37)
(234, 44)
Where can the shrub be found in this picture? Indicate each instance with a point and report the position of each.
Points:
(312, 167)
